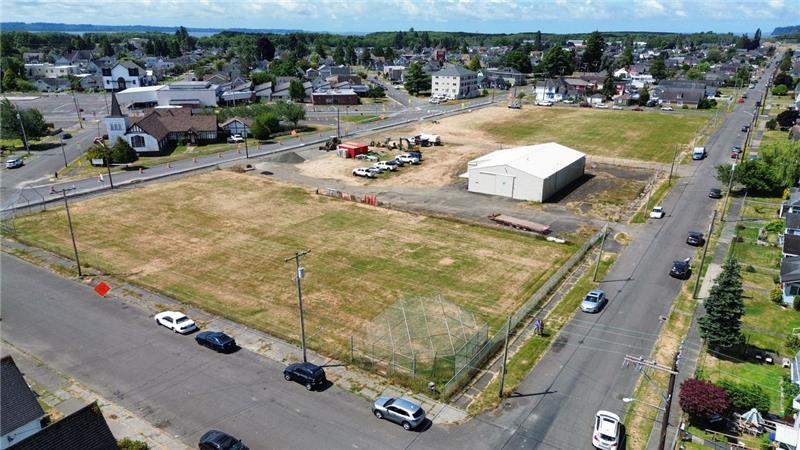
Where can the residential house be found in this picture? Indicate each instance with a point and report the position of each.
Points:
(237, 93)
(263, 92)
(280, 92)
(454, 82)
(790, 279)
(491, 82)
(85, 429)
(123, 75)
(21, 414)
(791, 245)
(596, 99)
(237, 125)
(33, 58)
(159, 129)
(52, 84)
(786, 436)
(80, 57)
(311, 73)
(393, 73)
(595, 79)
(511, 76)
(47, 70)
(576, 87)
(90, 81)
(791, 204)
(550, 90)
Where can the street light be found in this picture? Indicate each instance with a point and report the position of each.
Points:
(99, 140)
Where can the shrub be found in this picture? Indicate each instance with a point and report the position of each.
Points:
(775, 226)
(743, 397)
(264, 125)
(790, 391)
(701, 399)
(130, 444)
(776, 296)
(796, 303)
(750, 269)
(792, 343)
(772, 124)
(780, 89)
(685, 107)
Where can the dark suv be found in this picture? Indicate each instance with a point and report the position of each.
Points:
(681, 269)
(310, 375)
(695, 238)
(715, 193)
(218, 440)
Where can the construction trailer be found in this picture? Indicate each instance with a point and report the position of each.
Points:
(351, 150)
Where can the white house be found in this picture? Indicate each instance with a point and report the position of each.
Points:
(789, 436)
(237, 125)
(454, 82)
(549, 90)
(533, 173)
(22, 416)
(122, 75)
(47, 70)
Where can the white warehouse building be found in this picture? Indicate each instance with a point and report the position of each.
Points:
(533, 172)
(196, 94)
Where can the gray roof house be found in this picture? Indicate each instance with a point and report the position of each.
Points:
(790, 278)
(791, 245)
(792, 204)
(21, 414)
(85, 429)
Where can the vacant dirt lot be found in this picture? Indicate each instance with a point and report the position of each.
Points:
(218, 241)
(619, 134)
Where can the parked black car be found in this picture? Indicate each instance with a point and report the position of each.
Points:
(310, 375)
(66, 136)
(745, 128)
(218, 440)
(681, 269)
(715, 193)
(216, 340)
(695, 238)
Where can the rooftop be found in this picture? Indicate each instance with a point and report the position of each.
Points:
(541, 160)
(17, 401)
(790, 269)
(454, 71)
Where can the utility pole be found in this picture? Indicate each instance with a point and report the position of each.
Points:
(77, 110)
(24, 136)
(246, 152)
(99, 140)
(600, 253)
(63, 153)
(641, 364)
(672, 167)
(703, 259)
(727, 194)
(298, 275)
(670, 390)
(337, 122)
(505, 359)
(63, 193)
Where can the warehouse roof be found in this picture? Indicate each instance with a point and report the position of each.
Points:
(541, 160)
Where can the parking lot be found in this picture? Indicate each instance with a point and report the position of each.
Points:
(59, 108)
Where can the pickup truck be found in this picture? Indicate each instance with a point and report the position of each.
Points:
(383, 166)
(407, 159)
(363, 172)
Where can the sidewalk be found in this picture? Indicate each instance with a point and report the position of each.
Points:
(344, 377)
(61, 395)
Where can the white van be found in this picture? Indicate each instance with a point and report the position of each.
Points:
(698, 153)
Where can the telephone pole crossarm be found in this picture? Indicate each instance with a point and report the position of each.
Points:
(298, 275)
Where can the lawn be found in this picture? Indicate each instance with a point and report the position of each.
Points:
(360, 118)
(758, 207)
(218, 241)
(619, 134)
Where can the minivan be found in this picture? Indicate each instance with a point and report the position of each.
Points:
(698, 153)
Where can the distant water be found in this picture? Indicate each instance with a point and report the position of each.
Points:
(198, 34)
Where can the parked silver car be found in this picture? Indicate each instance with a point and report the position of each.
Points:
(400, 411)
(594, 301)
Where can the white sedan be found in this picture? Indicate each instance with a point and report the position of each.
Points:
(606, 435)
(657, 213)
(176, 321)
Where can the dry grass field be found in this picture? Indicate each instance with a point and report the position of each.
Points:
(218, 241)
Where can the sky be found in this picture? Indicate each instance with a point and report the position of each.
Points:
(485, 16)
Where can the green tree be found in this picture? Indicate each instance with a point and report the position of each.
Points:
(783, 159)
(265, 49)
(644, 96)
(659, 69)
(122, 152)
(130, 444)
(366, 58)
(105, 47)
(350, 55)
(744, 397)
(474, 63)
(557, 61)
(721, 326)
(787, 118)
(756, 39)
(714, 55)
(265, 125)
(593, 54)
(780, 90)
(296, 91)
(609, 88)
(338, 55)
(9, 126)
(9, 81)
(290, 112)
(627, 53)
(537, 41)
(416, 80)
(261, 77)
(694, 74)
(783, 78)
(723, 174)
(519, 60)
(319, 48)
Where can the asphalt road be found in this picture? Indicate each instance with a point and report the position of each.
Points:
(583, 372)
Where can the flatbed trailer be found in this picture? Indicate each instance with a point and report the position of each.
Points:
(520, 224)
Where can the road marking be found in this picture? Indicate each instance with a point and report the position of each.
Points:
(60, 107)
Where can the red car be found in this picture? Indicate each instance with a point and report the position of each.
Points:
(741, 100)
(636, 108)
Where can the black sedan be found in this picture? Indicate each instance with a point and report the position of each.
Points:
(681, 269)
(216, 340)
(310, 375)
(218, 440)
(715, 193)
(695, 238)
(66, 136)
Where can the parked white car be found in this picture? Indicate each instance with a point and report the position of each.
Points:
(544, 103)
(617, 108)
(408, 159)
(235, 139)
(667, 108)
(606, 433)
(657, 212)
(601, 106)
(384, 166)
(363, 172)
(176, 321)
(13, 163)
